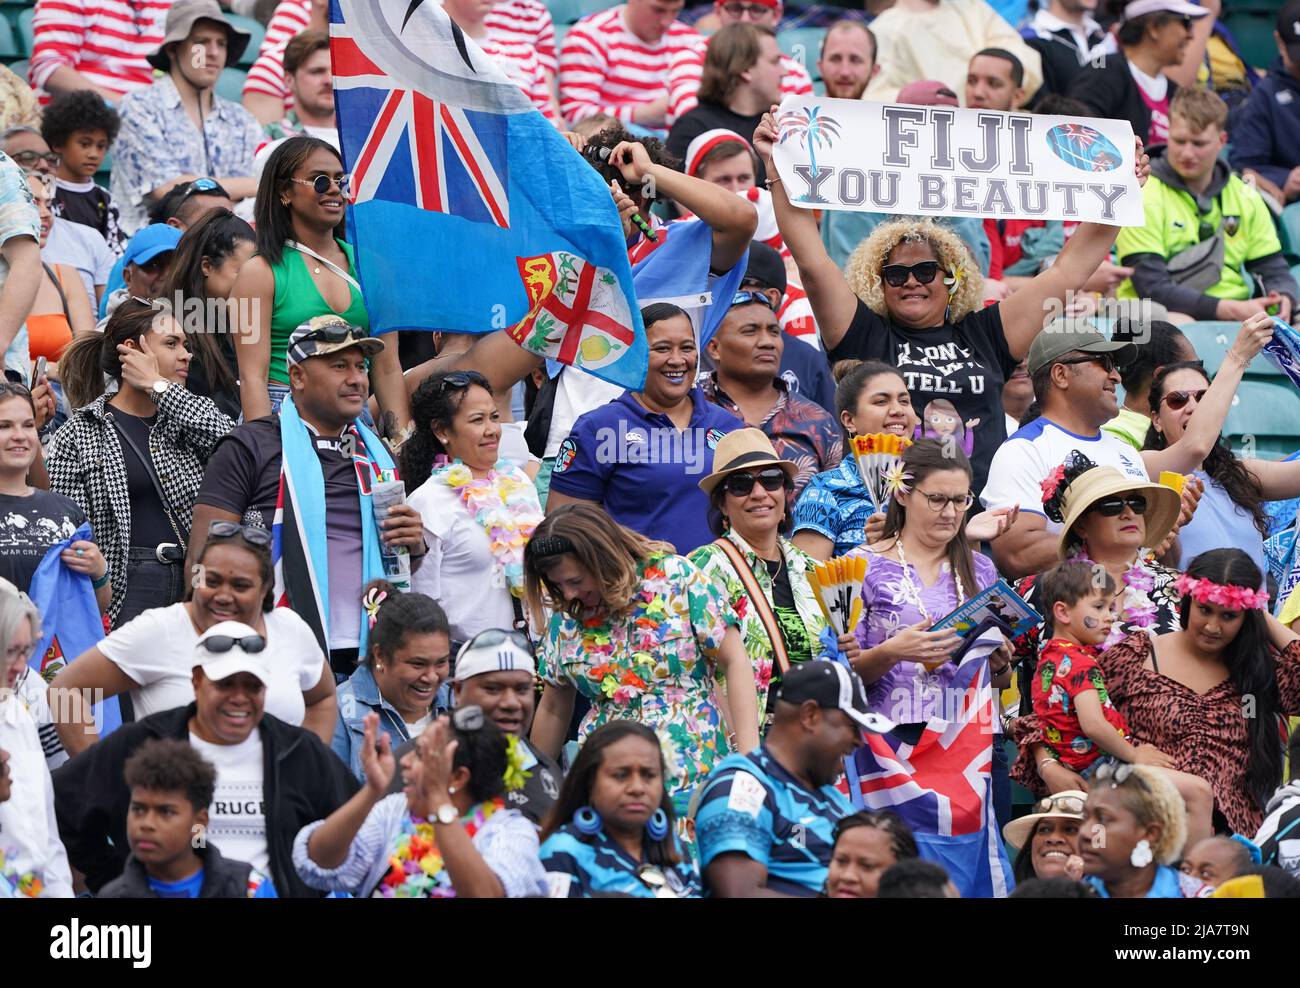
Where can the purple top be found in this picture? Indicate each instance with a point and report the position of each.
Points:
(907, 693)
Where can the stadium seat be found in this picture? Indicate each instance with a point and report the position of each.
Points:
(1288, 232)
(1213, 340)
(1254, 33)
(254, 28)
(568, 11)
(8, 43)
(20, 67)
(231, 84)
(802, 44)
(1263, 419)
(25, 29)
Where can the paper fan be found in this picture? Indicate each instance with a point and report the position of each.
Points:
(837, 585)
(880, 462)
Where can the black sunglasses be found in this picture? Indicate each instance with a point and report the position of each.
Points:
(896, 275)
(468, 718)
(749, 298)
(740, 484)
(252, 534)
(1178, 399)
(224, 643)
(462, 379)
(1106, 361)
(1113, 507)
(333, 332)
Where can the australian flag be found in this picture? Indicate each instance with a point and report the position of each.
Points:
(942, 785)
(470, 212)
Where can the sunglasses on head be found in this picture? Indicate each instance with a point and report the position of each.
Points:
(1179, 399)
(896, 275)
(204, 187)
(749, 298)
(224, 643)
(1060, 804)
(252, 534)
(1117, 775)
(498, 636)
(1113, 507)
(333, 332)
(740, 484)
(320, 184)
(462, 379)
(469, 718)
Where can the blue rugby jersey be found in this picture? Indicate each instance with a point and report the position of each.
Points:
(578, 867)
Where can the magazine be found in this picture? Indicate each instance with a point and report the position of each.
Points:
(998, 602)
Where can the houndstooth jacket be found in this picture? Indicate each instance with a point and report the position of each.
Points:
(85, 463)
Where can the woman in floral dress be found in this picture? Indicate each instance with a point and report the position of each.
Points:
(642, 634)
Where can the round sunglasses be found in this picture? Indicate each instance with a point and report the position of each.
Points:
(896, 275)
(740, 484)
(1113, 507)
(320, 184)
(1177, 400)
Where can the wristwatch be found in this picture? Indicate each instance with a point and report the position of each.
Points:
(447, 814)
(157, 388)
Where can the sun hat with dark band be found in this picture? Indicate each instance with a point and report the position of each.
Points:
(740, 450)
(322, 335)
(1061, 806)
(1091, 486)
(180, 22)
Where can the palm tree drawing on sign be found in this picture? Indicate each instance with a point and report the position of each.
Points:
(815, 129)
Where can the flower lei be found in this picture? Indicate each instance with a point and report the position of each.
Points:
(1223, 594)
(507, 511)
(1139, 611)
(24, 886)
(416, 869)
(516, 775)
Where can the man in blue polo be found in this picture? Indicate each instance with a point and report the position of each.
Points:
(641, 456)
(766, 820)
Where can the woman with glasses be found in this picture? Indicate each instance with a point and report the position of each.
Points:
(643, 635)
(1047, 840)
(448, 834)
(478, 510)
(750, 490)
(612, 830)
(199, 280)
(302, 268)
(400, 678)
(1133, 832)
(920, 571)
(912, 296)
(1187, 414)
(134, 458)
(150, 658)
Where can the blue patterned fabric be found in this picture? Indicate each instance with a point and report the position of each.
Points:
(836, 504)
(579, 867)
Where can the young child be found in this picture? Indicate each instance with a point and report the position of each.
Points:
(1080, 725)
(79, 126)
(171, 787)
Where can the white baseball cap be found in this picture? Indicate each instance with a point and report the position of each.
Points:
(1181, 7)
(228, 648)
(494, 650)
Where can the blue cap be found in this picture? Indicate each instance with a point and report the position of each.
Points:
(153, 240)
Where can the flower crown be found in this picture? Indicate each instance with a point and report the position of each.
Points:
(1223, 594)
(1057, 484)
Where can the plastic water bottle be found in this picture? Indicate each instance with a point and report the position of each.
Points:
(385, 494)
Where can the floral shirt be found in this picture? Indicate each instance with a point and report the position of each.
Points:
(18, 218)
(715, 564)
(158, 141)
(836, 504)
(801, 430)
(1064, 671)
(653, 665)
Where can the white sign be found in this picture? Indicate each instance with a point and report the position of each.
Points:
(949, 161)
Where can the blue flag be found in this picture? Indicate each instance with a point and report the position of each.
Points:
(70, 621)
(677, 270)
(470, 212)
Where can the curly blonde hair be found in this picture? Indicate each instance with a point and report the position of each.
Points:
(863, 268)
(1154, 799)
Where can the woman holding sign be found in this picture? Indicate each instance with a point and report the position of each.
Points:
(912, 299)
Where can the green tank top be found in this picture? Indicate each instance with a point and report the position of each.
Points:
(297, 299)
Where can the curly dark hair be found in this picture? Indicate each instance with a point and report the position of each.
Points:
(1221, 465)
(169, 765)
(78, 109)
(612, 137)
(435, 403)
(1076, 464)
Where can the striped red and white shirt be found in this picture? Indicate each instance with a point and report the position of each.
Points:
(687, 66)
(605, 68)
(105, 40)
(521, 38)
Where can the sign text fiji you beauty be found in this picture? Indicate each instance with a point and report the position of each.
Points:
(947, 161)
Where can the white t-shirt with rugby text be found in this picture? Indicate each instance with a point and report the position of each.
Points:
(237, 815)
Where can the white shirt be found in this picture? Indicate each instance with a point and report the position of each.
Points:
(237, 816)
(1155, 86)
(1023, 462)
(1046, 23)
(157, 649)
(577, 393)
(457, 572)
(29, 831)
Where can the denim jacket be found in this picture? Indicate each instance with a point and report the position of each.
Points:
(359, 696)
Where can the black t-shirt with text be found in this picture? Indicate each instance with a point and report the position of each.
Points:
(29, 525)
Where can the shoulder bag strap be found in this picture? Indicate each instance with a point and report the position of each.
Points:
(326, 261)
(759, 601)
(58, 287)
(153, 476)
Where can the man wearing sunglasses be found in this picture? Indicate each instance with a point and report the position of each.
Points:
(326, 473)
(495, 672)
(746, 353)
(272, 778)
(1074, 370)
(1209, 248)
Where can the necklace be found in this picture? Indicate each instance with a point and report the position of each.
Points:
(913, 592)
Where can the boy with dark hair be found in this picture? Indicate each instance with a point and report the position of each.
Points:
(79, 126)
(171, 787)
(916, 878)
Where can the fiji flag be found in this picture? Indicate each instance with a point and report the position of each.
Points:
(942, 786)
(470, 212)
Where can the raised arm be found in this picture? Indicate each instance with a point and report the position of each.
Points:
(833, 302)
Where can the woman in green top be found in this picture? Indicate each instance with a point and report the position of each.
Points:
(302, 269)
(750, 507)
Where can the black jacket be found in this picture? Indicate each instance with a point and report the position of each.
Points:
(1060, 57)
(1109, 90)
(222, 878)
(304, 781)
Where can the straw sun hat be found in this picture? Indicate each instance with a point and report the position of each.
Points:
(1099, 483)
